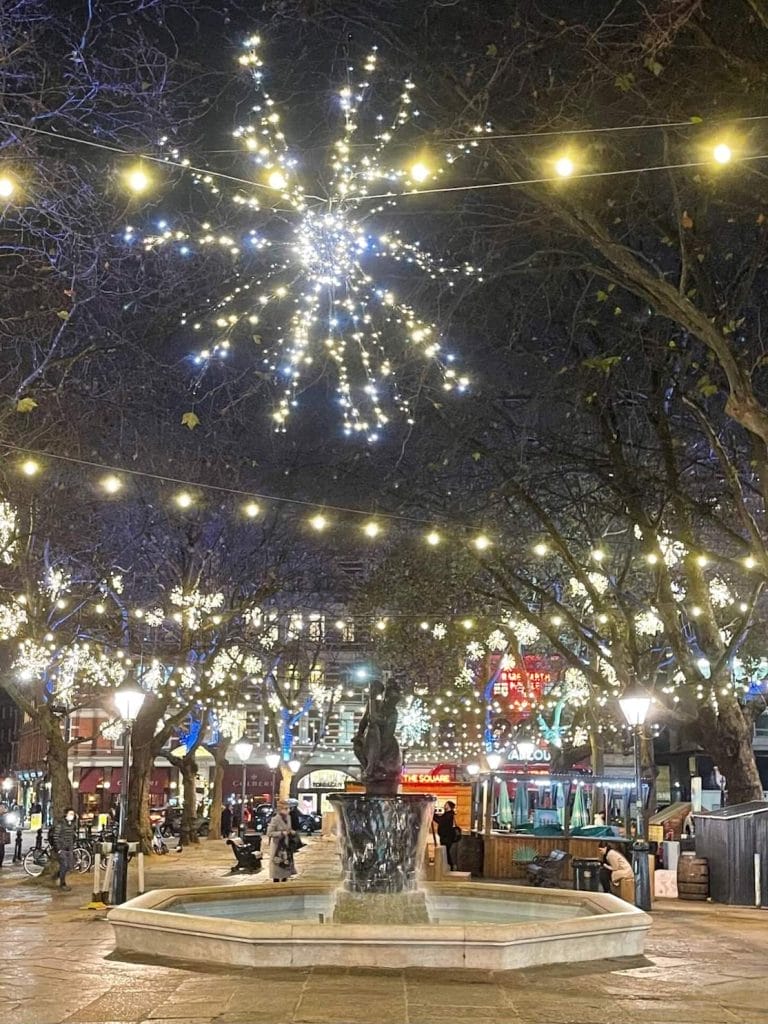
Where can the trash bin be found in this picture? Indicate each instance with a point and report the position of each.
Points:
(586, 874)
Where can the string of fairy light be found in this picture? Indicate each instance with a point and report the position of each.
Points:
(316, 307)
(670, 552)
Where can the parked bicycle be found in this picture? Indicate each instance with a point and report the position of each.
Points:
(35, 861)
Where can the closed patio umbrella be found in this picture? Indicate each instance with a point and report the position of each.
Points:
(558, 801)
(579, 814)
(504, 809)
(520, 811)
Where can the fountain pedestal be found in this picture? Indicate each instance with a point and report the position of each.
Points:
(382, 840)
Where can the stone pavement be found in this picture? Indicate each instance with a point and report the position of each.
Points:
(704, 965)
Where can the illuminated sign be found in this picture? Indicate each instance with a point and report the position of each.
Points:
(427, 778)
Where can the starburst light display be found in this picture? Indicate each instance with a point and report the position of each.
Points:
(318, 302)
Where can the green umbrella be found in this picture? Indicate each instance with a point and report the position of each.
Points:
(559, 801)
(520, 812)
(504, 807)
(579, 814)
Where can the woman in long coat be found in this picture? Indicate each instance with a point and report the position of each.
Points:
(279, 830)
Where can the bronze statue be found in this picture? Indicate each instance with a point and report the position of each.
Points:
(375, 745)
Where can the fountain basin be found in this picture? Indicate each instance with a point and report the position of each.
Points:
(513, 927)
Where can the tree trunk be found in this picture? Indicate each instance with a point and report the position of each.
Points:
(58, 761)
(285, 781)
(138, 827)
(649, 771)
(188, 768)
(597, 753)
(219, 753)
(726, 735)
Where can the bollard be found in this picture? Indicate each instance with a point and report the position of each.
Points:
(119, 890)
(140, 873)
(97, 896)
(108, 878)
(17, 848)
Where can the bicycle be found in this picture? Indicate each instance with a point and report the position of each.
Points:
(35, 861)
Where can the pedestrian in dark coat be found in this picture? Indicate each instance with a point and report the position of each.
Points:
(448, 831)
(226, 821)
(64, 836)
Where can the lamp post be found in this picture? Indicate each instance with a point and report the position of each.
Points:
(243, 749)
(473, 770)
(634, 706)
(493, 760)
(273, 760)
(128, 701)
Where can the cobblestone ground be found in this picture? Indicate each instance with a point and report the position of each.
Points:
(704, 965)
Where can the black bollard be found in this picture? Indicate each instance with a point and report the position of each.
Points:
(120, 876)
(17, 847)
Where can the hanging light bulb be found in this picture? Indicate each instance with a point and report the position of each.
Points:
(111, 484)
(137, 179)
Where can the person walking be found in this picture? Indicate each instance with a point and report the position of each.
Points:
(279, 833)
(5, 835)
(615, 867)
(226, 821)
(448, 832)
(64, 836)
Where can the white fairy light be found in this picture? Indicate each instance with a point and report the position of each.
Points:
(318, 299)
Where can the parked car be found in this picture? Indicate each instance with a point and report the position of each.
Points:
(261, 814)
(167, 820)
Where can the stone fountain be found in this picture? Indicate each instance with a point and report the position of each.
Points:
(379, 916)
(382, 833)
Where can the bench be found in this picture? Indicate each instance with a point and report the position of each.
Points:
(548, 871)
(246, 858)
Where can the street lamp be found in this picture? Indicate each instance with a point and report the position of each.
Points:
(635, 704)
(128, 700)
(243, 749)
(492, 760)
(273, 760)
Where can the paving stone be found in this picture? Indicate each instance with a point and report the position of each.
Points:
(702, 966)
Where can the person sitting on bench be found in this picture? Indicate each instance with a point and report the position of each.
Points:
(615, 867)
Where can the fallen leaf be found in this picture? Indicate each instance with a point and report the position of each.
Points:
(190, 419)
(686, 220)
(26, 405)
(63, 314)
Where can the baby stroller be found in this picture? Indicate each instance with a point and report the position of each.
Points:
(159, 844)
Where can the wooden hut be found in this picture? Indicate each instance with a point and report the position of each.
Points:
(735, 842)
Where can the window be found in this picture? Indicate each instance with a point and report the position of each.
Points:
(316, 630)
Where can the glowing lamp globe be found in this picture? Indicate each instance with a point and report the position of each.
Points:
(634, 706)
(494, 760)
(243, 749)
(473, 770)
(128, 701)
(273, 760)
(294, 765)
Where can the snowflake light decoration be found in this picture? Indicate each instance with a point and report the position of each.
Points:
(413, 721)
(525, 632)
(314, 304)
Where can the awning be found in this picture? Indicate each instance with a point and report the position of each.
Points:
(91, 779)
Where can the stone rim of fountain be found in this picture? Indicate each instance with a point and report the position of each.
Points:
(148, 926)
